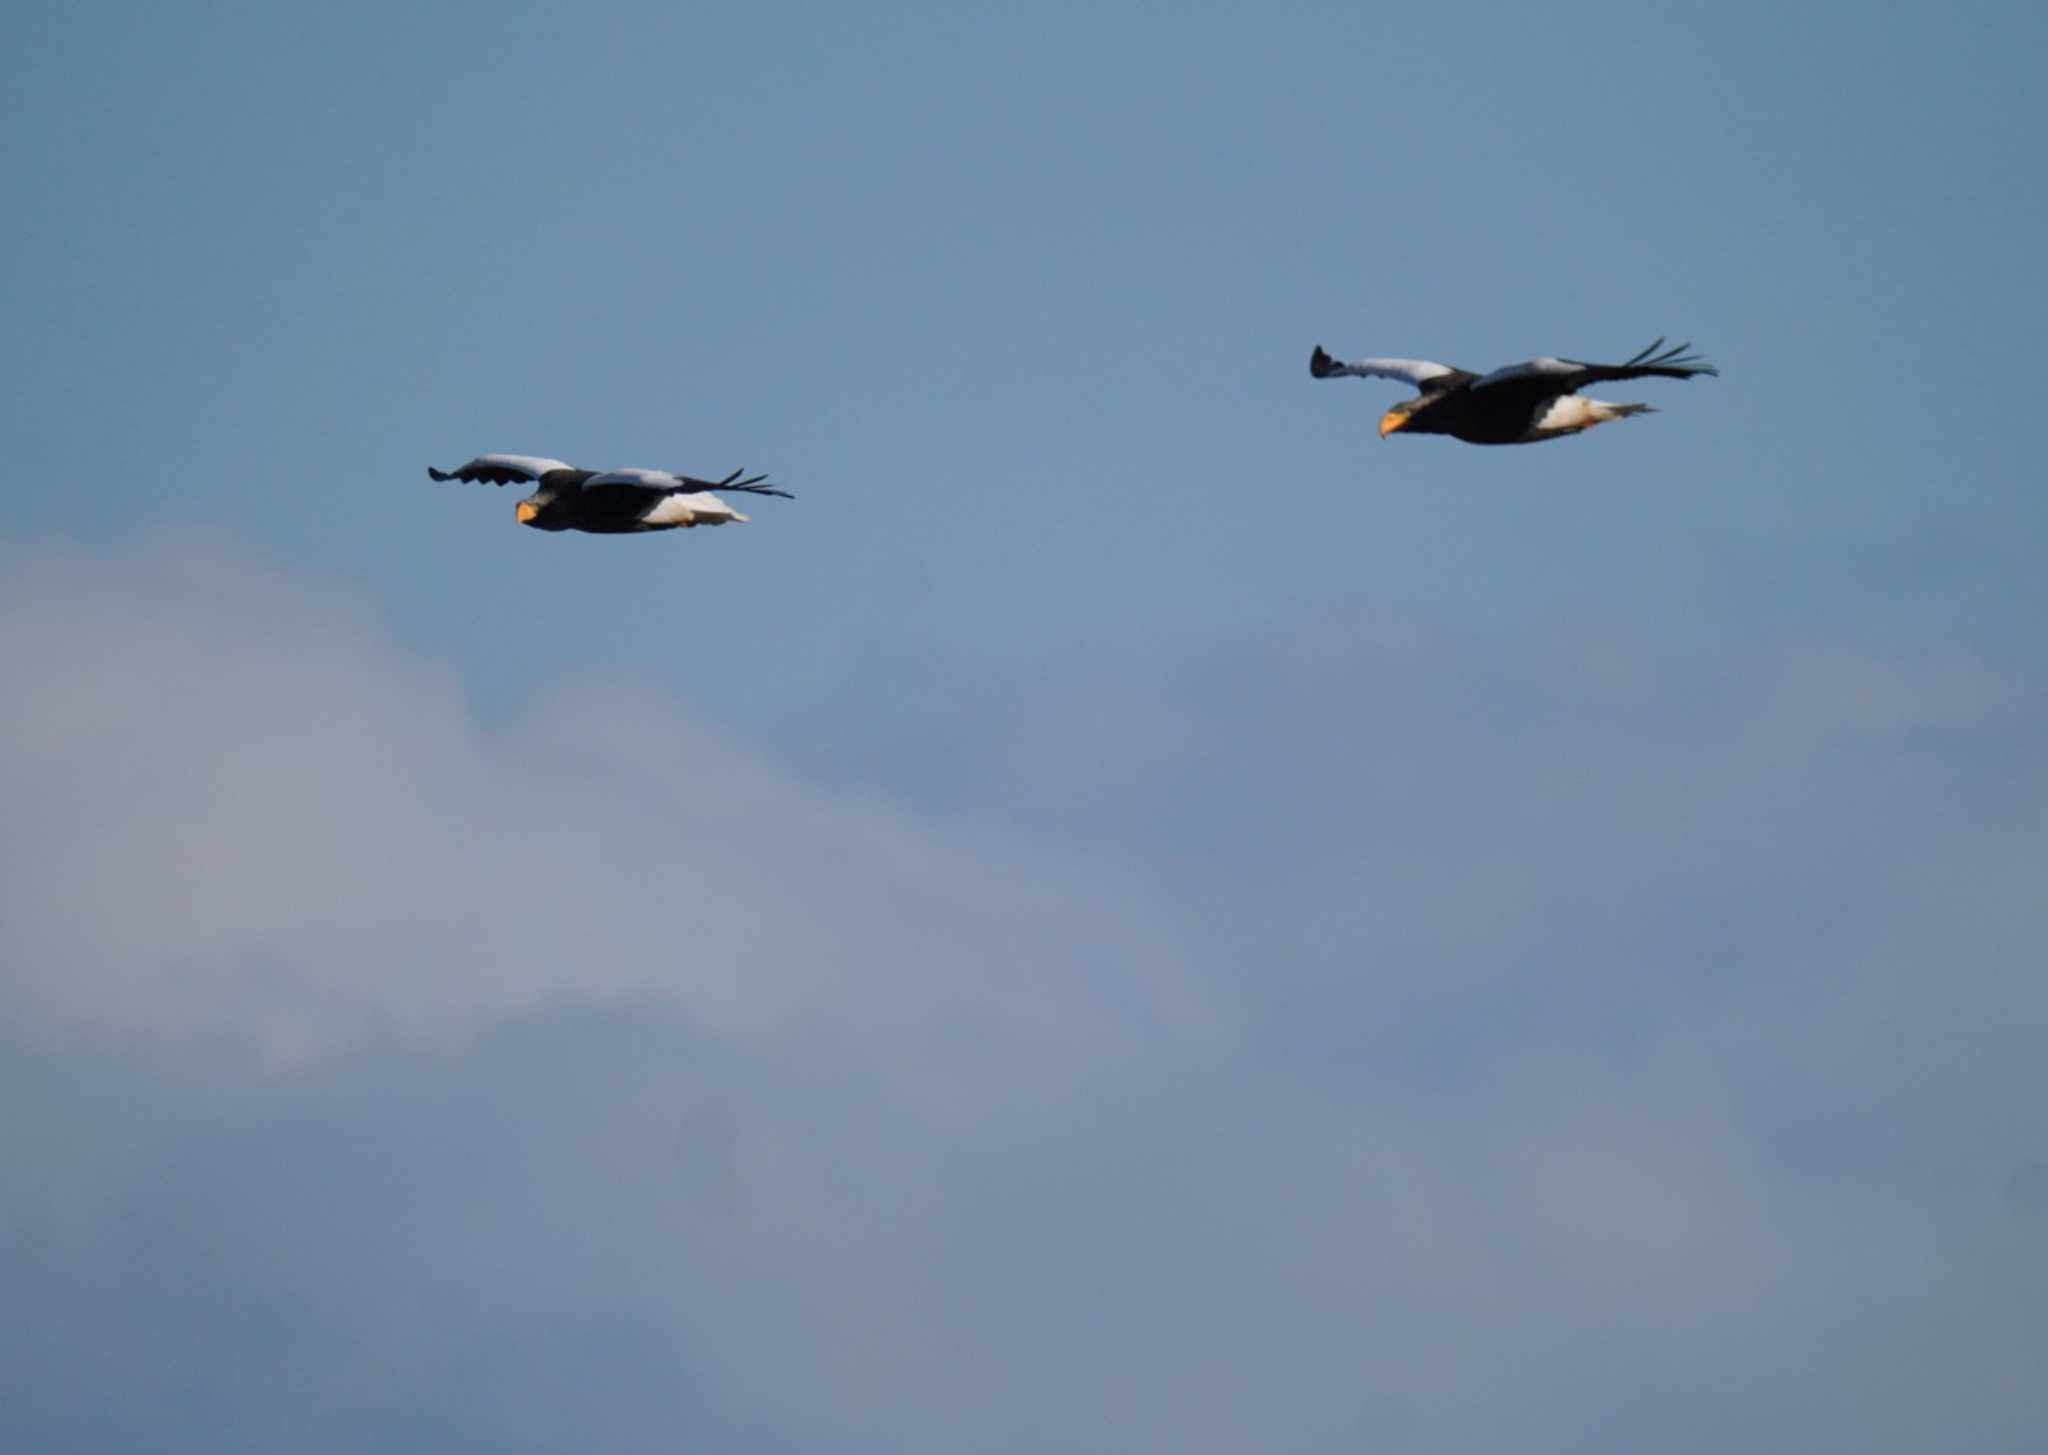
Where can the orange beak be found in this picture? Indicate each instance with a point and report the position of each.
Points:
(527, 511)
(1392, 420)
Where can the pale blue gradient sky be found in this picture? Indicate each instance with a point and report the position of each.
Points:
(1018, 299)
(1132, 914)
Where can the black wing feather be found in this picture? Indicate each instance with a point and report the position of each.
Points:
(474, 474)
(751, 485)
(1674, 363)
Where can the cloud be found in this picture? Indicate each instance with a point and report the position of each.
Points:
(1369, 1038)
(240, 812)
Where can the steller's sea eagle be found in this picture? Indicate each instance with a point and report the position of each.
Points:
(1516, 405)
(610, 502)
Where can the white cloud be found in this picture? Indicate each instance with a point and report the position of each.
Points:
(239, 812)
(1529, 1050)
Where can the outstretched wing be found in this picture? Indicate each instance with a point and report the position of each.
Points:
(662, 497)
(667, 480)
(1562, 376)
(752, 485)
(499, 470)
(652, 498)
(1424, 374)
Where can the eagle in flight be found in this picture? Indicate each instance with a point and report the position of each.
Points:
(609, 502)
(1516, 405)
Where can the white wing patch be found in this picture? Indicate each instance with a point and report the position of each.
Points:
(1529, 369)
(700, 508)
(532, 466)
(1410, 371)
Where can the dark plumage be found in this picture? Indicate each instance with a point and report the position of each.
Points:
(1519, 404)
(611, 502)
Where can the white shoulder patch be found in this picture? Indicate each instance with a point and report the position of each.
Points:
(534, 466)
(1411, 371)
(1528, 369)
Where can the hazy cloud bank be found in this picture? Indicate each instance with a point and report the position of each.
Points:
(1581, 1048)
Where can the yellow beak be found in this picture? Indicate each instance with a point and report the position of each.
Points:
(527, 511)
(1392, 420)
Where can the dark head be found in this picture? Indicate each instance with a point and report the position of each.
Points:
(550, 505)
(1414, 415)
(1424, 414)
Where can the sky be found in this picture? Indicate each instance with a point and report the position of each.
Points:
(1132, 914)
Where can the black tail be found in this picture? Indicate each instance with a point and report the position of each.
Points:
(433, 474)
(1321, 364)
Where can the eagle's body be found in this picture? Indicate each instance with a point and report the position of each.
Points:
(608, 502)
(1517, 405)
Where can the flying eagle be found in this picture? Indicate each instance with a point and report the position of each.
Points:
(1516, 405)
(611, 502)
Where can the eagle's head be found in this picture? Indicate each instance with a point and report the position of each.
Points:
(542, 510)
(548, 508)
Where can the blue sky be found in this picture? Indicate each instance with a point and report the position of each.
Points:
(1132, 912)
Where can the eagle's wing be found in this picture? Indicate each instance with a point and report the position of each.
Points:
(500, 469)
(668, 481)
(1424, 374)
(668, 499)
(658, 481)
(1564, 375)
(752, 485)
